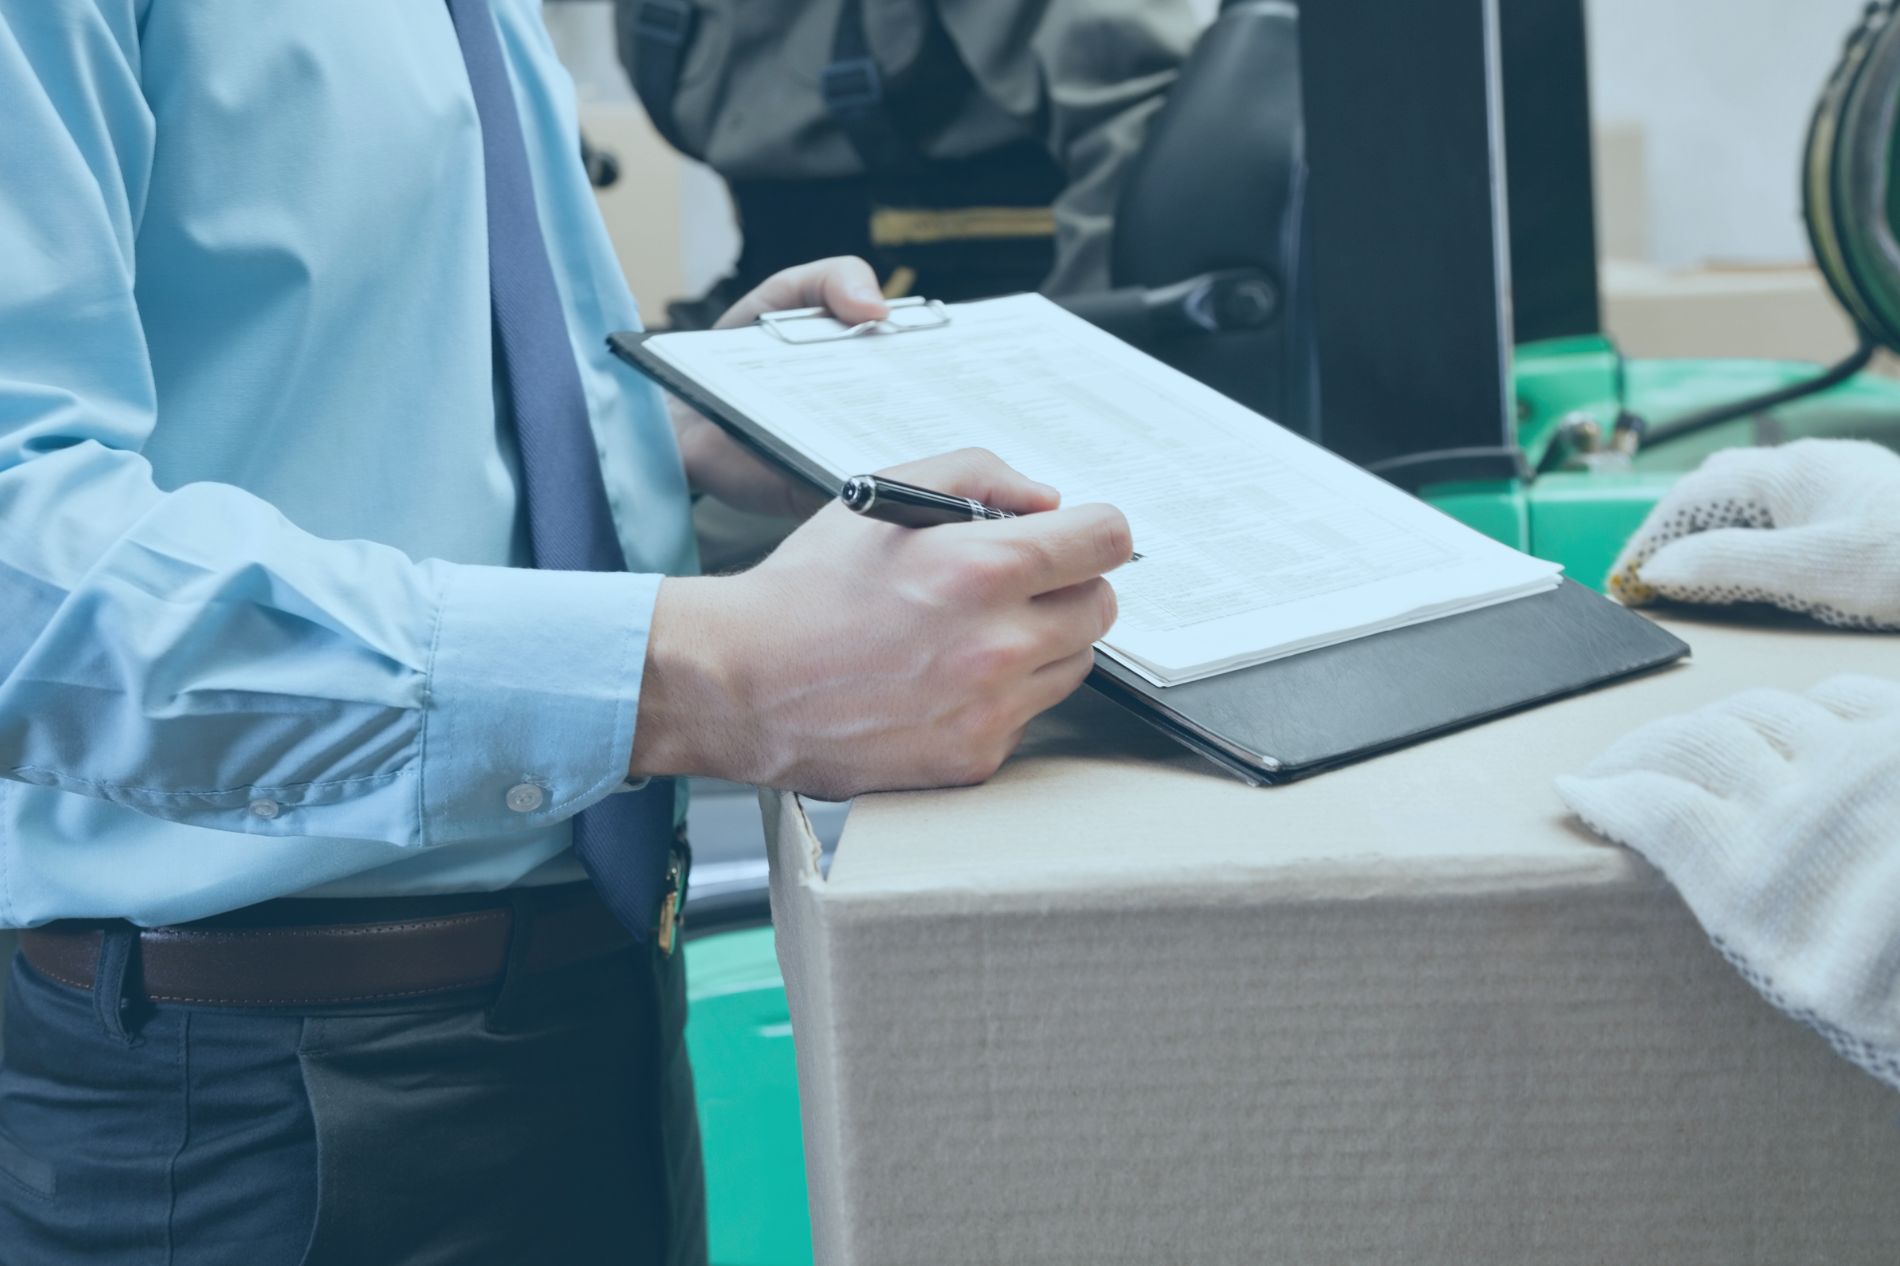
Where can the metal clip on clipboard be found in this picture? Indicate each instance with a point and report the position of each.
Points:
(799, 326)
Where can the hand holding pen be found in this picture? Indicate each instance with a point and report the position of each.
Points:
(907, 505)
(852, 660)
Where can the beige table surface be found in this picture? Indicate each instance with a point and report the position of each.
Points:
(1097, 799)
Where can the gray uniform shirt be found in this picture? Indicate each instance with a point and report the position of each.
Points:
(1081, 76)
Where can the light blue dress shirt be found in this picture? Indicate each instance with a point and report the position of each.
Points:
(263, 625)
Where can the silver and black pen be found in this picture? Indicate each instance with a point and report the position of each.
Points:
(907, 505)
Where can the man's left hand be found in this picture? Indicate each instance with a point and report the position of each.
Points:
(720, 466)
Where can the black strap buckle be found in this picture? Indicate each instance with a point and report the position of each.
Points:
(852, 84)
(665, 21)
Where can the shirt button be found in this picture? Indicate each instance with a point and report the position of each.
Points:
(525, 797)
(266, 809)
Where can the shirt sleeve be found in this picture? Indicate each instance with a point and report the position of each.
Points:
(1088, 74)
(189, 652)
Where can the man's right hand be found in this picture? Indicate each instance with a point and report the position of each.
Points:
(865, 657)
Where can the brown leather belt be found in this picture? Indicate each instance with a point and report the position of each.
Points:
(272, 956)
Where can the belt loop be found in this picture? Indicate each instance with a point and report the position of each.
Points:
(115, 980)
(514, 996)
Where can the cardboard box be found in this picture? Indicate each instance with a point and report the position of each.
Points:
(1114, 1007)
(1785, 313)
(1620, 163)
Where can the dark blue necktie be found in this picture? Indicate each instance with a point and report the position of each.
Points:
(625, 840)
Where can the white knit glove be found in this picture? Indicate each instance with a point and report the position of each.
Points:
(1811, 526)
(1777, 816)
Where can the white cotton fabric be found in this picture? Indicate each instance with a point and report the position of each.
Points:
(1777, 816)
(1812, 526)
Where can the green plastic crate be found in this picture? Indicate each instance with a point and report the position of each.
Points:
(739, 1033)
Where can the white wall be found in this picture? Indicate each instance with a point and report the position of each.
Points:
(1722, 90)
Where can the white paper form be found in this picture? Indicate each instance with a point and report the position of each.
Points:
(1255, 543)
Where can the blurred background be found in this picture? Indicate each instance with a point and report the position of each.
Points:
(1699, 112)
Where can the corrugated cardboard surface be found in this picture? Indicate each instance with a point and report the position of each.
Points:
(1115, 1007)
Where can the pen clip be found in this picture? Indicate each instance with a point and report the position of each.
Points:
(799, 326)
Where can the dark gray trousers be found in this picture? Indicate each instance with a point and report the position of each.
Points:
(549, 1121)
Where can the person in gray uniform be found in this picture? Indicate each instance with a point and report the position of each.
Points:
(966, 147)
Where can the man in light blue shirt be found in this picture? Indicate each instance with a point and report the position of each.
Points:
(273, 655)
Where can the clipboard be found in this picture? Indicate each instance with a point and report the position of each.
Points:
(1319, 709)
(798, 327)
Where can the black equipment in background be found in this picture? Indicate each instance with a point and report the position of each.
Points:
(1319, 226)
(1207, 260)
(1548, 170)
(1410, 236)
(603, 165)
(1847, 172)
